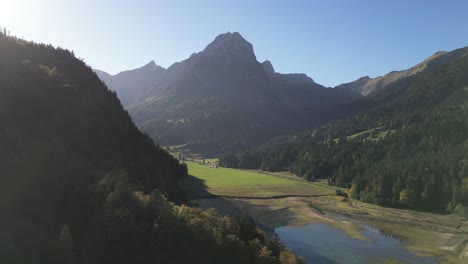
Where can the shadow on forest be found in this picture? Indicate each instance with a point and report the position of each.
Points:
(195, 188)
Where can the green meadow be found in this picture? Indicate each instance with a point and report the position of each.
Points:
(204, 180)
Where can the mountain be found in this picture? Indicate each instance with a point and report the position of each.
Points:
(226, 69)
(409, 150)
(223, 99)
(132, 85)
(80, 183)
(366, 85)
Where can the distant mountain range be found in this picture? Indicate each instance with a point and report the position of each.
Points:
(222, 99)
(233, 58)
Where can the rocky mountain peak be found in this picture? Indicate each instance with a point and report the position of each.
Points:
(151, 66)
(230, 44)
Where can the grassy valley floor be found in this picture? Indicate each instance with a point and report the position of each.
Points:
(280, 199)
(207, 180)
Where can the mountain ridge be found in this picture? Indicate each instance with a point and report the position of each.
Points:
(232, 45)
(363, 86)
(366, 85)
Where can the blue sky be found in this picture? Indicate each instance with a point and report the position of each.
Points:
(332, 41)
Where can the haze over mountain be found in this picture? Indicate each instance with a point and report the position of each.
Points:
(223, 94)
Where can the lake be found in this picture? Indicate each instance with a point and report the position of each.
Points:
(322, 243)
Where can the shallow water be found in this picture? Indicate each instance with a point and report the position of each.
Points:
(321, 243)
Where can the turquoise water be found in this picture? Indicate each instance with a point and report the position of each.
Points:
(321, 243)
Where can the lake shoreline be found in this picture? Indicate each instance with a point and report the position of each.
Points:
(424, 234)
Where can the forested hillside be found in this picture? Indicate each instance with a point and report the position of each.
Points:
(80, 184)
(410, 151)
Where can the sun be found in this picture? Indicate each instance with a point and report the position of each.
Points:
(15, 14)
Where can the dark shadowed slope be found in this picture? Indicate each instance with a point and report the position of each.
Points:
(80, 184)
(62, 131)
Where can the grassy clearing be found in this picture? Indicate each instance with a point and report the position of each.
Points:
(371, 134)
(232, 182)
(381, 134)
(362, 133)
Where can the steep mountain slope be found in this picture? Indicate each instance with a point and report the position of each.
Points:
(48, 98)
(131, 86)
(223, 99)
(410, 150)
(80, 184)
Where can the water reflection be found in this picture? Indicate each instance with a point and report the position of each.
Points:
(321, 243)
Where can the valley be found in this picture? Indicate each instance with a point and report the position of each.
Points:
(155, 132)
(368, 172)
(279, 200)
